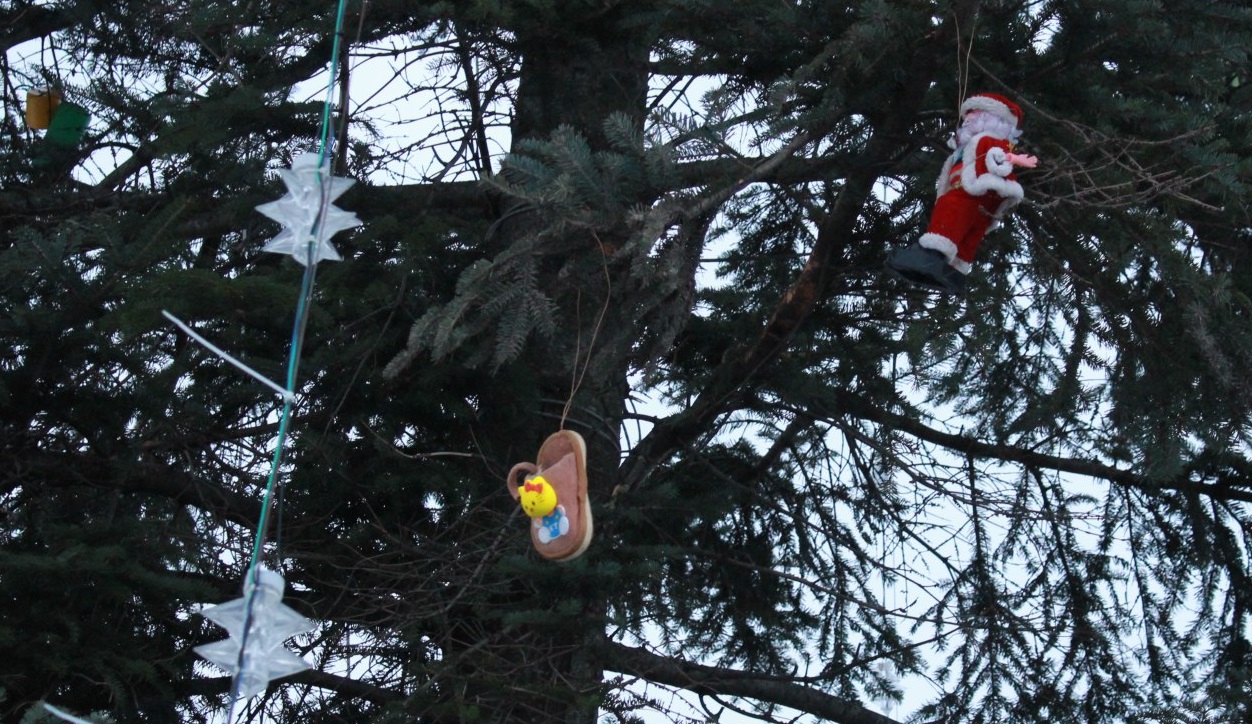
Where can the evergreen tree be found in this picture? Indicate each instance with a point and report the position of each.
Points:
(660, 223)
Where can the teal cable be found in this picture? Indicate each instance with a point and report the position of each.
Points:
(306, 294)
(293, 359)
(326, 140)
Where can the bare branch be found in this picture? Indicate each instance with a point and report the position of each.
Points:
(711, 680)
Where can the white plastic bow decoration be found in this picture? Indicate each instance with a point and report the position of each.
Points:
(269, 624)
(308, 216)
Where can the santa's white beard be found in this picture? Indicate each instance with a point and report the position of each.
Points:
(976, 122)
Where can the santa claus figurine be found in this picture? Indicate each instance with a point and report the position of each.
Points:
(976, 188)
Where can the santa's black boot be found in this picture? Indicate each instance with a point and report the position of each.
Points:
(919, 265)
(953, 281)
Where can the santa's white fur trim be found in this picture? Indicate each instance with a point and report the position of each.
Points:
(998, 161)
(995, 181)
(939, 243)
(961, 265)
(991, 105)
(944, 184)
(1002, 210)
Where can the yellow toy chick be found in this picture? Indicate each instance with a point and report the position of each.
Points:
(537, 497)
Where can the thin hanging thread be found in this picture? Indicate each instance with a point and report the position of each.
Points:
(962, 64)
(577, 376)
(297, 343)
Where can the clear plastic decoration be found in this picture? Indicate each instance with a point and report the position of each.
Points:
(270, 623)
(307, 213)
(891, 677)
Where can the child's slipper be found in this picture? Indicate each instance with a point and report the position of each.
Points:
(561, 528)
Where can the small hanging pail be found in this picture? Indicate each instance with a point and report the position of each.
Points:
(68, 125)
(41, 103)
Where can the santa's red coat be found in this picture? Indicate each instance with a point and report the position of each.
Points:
(976, 188)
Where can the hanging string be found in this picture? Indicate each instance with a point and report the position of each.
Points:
(576, 375)
(962, 63)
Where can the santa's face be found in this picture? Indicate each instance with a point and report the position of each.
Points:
(978, 121)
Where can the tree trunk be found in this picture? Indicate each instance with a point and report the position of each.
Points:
(550, 669)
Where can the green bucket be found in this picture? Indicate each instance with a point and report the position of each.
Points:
(68, 125)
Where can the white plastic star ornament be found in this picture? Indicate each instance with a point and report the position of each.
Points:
(269, 624)
(308, 216)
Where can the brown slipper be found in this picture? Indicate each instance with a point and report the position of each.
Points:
(560, 532)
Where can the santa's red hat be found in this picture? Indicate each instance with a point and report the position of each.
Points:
(999, 106)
